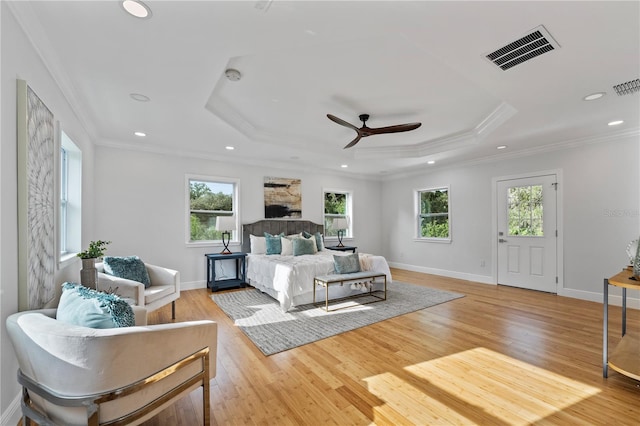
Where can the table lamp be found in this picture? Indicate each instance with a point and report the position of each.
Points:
(340, 224)
(226, 224)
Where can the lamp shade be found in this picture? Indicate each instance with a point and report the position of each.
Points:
(226, 223)
(340, 223)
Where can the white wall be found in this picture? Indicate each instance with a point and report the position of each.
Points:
(21, 61)
(600, 214)
(140, 205)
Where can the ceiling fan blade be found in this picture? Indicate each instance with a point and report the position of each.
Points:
(394, 129)
(342, 122)
(353, 142)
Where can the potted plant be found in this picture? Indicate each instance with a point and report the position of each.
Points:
(89, 273)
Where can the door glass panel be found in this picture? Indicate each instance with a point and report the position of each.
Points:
(525, 211)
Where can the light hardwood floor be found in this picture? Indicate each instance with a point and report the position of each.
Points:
(498, 356)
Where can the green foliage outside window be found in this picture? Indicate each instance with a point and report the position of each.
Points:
(434, 213)
(205, 205)
(525, 211)
(335, 206)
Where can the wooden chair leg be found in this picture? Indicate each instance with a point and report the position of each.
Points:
(173, 310)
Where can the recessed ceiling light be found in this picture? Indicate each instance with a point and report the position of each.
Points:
(594, 96)
(615, 123)
(431, 162)
(501, 147)
(344, 166)
(141, 134)
(139, 97)
(136, 8)
(232, 74)
(230, 148)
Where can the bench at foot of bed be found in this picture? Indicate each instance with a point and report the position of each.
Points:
(368, 277)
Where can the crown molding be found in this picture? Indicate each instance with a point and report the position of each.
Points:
(32, 27)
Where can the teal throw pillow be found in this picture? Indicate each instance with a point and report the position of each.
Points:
(347, 264)
(129, 267)
(318, 237)
(274, 245)
(303, 246)
(90, 308)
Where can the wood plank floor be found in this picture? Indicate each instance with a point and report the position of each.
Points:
(499, 356)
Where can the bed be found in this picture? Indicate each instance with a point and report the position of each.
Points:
(288, 278)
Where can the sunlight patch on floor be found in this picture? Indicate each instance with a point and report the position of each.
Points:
(504, 390)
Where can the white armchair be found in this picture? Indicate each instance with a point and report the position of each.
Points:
(164, 288)
(73, 375)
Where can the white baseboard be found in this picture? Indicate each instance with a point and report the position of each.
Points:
(193, 285)
(614, 299)
(483, 279)
(13, 414)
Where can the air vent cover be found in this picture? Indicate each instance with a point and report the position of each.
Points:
(627, 88)
(537, 42)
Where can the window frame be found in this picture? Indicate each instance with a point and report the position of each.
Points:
(419, 214)
(236, 236)
(68, 222)
(349, 234)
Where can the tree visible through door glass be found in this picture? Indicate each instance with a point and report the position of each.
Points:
(525, 211)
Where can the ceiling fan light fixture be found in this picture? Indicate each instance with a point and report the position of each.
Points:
(136, 8)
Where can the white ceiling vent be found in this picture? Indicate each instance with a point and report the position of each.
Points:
(627, 88)
(537, 42)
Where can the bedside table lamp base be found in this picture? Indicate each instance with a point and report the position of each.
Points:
(226, 243)
(340, 235)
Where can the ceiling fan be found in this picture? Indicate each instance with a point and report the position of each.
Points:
(365, 131)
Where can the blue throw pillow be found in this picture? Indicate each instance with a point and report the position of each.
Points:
(303, 246)
(90, 308)
(318, 236)
(274, 245)
(130, 267)
(347, 264)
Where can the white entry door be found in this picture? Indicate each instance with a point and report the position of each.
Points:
(527, 232)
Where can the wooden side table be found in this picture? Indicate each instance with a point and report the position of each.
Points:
(241, 271)
(625, 357)
(352, 249)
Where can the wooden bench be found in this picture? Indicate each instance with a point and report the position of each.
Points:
(356, 277)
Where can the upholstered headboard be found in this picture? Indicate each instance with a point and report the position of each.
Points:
(274, 227)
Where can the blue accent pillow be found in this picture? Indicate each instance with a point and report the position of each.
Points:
(129, 267)
(303, 246)
(274, 245)
(318, 236)
(347, 264)
(90, 308)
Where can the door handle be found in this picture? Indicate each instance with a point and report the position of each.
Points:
(502, 240)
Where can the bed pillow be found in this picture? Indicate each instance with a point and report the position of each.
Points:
(287, 246)
(304, 246)
(258, 244)
(317, 236)
(347, 264)
(128, 267)
(274, 245)
(90, 308)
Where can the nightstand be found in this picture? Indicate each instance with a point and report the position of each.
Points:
(241, 271)
(352, 249)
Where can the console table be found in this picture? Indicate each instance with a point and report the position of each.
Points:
(625, 358)
(241, 271)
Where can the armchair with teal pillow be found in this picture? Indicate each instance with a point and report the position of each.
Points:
(163, 288)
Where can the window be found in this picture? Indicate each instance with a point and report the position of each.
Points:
(525, 211)
(208, 198)
(70, 200)
(337, 205)
(433, 214)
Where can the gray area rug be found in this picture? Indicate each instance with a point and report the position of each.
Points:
(259, 316)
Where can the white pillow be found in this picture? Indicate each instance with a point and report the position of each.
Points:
(258, 244)
(287, 246)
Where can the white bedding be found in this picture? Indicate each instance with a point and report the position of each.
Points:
(289, 279)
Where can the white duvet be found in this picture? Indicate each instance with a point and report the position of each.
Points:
(289, 279)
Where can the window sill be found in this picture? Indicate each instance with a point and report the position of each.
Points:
(196, 244)
(433, 240)
(66, 260)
